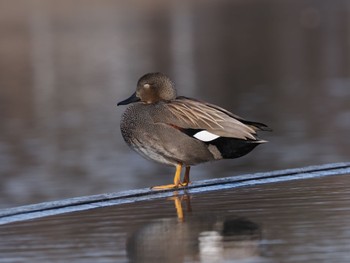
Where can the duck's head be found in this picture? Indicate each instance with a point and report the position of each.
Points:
(151, 88)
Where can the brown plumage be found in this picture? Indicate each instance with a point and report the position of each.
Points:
(181, 131)
(194, 113)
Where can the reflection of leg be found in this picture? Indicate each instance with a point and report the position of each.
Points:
(187, 198)
(177, 180)
(178, 206)
(186, 180)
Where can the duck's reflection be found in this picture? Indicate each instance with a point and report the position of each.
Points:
(191, 238)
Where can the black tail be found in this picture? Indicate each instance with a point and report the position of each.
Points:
(233, 148)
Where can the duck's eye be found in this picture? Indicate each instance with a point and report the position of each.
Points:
(147, 86)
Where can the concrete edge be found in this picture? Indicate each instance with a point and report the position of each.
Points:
(39, 210)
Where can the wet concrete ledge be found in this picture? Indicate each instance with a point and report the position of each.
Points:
(103, 200)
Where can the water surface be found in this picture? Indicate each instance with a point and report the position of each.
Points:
(295, 221)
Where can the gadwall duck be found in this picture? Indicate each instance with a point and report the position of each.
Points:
(182, 131)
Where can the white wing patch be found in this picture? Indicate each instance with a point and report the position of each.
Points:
(205, 136)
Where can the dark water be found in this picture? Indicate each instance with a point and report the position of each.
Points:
(295, 221)
(64, 66)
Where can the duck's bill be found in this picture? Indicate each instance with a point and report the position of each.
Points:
(131, 99)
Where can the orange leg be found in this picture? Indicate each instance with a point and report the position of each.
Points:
(177, 180)
(186, 180)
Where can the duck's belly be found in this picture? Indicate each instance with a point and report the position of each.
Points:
(171, 150)
(153, 154)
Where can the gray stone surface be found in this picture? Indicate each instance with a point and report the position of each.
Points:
(104, 200)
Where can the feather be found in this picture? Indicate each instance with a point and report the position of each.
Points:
(189, 113)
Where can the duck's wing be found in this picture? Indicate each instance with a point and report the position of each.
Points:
(187, 113)
(257, 126)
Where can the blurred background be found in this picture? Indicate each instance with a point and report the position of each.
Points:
(64, 65)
